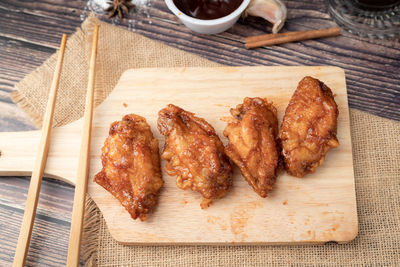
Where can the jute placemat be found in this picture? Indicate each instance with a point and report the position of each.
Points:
(376, 148)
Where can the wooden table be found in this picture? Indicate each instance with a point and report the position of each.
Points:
(30, 32)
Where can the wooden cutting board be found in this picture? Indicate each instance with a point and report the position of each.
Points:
(318, 208)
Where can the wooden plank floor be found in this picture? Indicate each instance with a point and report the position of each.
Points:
(30, 32)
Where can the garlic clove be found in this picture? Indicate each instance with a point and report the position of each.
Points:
(273, 11)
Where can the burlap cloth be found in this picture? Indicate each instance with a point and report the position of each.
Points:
(376, 148)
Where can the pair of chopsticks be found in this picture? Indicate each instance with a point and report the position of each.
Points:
(41, 158)
(287, 37)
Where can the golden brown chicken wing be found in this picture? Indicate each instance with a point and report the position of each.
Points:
(309, 126)
(131, 165)
(194, 153)
(252, 143)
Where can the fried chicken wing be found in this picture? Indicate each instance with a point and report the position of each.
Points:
(309, 127)
(252, 143)
(131, 165)
(194, 153)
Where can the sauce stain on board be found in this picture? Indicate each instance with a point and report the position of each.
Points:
(240, 217)
(217, 221)
(223, 105)
(330, 233)
(310, 235)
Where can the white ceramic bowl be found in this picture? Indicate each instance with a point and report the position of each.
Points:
(211, 26)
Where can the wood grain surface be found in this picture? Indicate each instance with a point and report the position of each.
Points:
(371, 66)
(316, 209)
(29, 33)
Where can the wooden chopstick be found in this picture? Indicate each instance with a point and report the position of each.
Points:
(83, 165)
(41, 157)
(287, 37)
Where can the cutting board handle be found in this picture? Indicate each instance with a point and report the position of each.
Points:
(17, 152)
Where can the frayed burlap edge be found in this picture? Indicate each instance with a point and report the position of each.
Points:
(35, 77)
(81, 38)
(26, 106)
(90, 235)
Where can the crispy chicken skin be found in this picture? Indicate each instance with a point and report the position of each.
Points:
(253, 143)
(131, 165)
(309, 127)
(194, 153)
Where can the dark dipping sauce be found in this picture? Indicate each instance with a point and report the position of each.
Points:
(207, 9)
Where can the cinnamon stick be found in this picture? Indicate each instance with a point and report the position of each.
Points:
(287, 37)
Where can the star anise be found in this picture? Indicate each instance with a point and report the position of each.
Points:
(119, 7)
